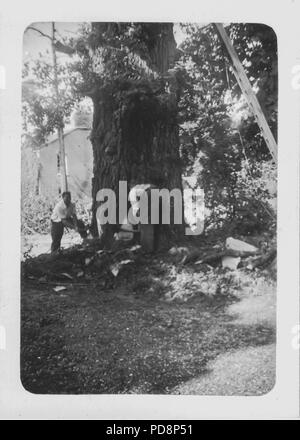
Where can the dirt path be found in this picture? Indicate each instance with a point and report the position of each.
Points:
(246, 372)
(249, 371)
(38, 244)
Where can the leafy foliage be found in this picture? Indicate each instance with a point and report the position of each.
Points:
(220, 141)
(42, 112)
(36, 211)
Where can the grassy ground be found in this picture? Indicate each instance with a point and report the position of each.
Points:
(140, 335)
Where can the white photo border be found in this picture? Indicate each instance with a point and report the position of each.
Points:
(283, 400)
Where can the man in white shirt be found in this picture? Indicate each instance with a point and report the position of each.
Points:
(64, 215)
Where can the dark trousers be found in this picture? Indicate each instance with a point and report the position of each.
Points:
(57, 231)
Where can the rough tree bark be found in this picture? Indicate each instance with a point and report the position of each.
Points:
(135, 130)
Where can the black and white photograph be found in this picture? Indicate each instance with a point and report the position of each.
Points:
(137, 306)
(150, 214)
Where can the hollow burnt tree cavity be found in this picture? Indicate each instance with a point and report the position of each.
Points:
(135, 94)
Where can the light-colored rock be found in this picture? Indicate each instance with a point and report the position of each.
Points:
(230, 262)
(239, 246)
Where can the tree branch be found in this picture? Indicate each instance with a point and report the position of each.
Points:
(63, 48)
(58, 45)
(40, 32)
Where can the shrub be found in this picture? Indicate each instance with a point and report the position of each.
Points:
(35, 214)
(36, 211)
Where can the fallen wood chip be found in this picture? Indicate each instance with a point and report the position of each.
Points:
(115, 268)
(67, 275)
(125, 262)
(59, 288)
(135, 248)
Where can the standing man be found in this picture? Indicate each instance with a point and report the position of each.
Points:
(64, 215)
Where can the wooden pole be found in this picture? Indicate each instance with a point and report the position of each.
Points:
(60, 133)
(248, 92)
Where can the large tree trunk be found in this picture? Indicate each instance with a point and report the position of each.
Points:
(135, 129)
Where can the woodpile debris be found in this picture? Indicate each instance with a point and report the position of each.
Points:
(79, 263)
(82, 264)
(232, 254)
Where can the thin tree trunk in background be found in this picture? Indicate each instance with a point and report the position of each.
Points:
(60, 133)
